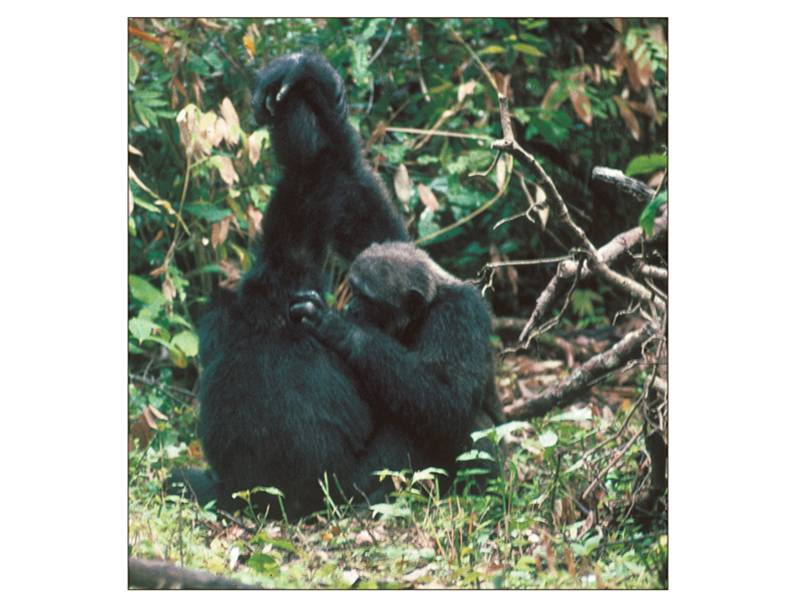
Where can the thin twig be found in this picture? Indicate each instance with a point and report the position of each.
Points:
(384, 42)
(616, 460)
(430, 132)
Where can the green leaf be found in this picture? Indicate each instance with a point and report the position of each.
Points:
(427, 223)
(187, 342)
(390, 510)
(265, 564)
(473, 455)
(283, 544)
(648, 216)
(145, 205)
(143, 291)
(140, 328)
(497, 433)
(133, 68)
(493, 50)
(645, 164)
(528, 50)
(548, 439)
(269, 490)
(207, 211)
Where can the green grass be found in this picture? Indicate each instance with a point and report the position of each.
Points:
(529, 530)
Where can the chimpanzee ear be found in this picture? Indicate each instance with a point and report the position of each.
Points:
(415, 302)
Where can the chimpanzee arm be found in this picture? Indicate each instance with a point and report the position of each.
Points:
(434, 388)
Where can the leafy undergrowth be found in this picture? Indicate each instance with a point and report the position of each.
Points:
(563, 516)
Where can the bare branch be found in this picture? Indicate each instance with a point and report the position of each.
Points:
(569, 389)
(637, 189)
(609, 253)
(654, 272)
(384, 42)
(156, 574)
(509, 145)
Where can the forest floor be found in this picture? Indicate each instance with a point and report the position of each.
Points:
(562, 516)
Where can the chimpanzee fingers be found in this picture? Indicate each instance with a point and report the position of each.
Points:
(303, 311)
(292, 77)
(307, 295)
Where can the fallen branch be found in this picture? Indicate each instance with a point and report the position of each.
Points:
(610, 253)
(156, 574)
(569, 389)
(654, 272)
(508, 144)
(633, 187)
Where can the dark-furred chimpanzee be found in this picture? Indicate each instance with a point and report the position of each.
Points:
(279, 408)
(417, 339)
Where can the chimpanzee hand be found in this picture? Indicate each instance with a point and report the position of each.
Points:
(307, 71)
(307, 307)
(327, 325)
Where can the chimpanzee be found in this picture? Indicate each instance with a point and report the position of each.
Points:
(279, 408)
(417, 339)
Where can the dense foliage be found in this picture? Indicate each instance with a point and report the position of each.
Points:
(584, 92)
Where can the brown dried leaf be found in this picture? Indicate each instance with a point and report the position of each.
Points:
(620, 61)
(428, 197)
(503, 82)
(232, 273)
(639, 71)
(159, 270)
(647, 108)
(249, 45)
(226, 169)
(141, 184)
(587, 525)
(232, 121)
(542, 209)
(209, 24)
(656, 180)
(500, 174)
(377, 134)
(581, 104)
(628, 117)
(166, 42)
(466, 89)
(570, 560)
(168, 289)
(254, 218)
(157, 413)
(187, 119)
(194, 450)
(198, 89)
(221, 131)
(548, 102)
(254, 143)
(139, 430)
(403, 186)
(644, 67)
(130, 202)
(220, 230)
(208, 131)
(148, 416)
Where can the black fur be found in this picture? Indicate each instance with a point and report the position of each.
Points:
(278, 408)
(417, 339)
